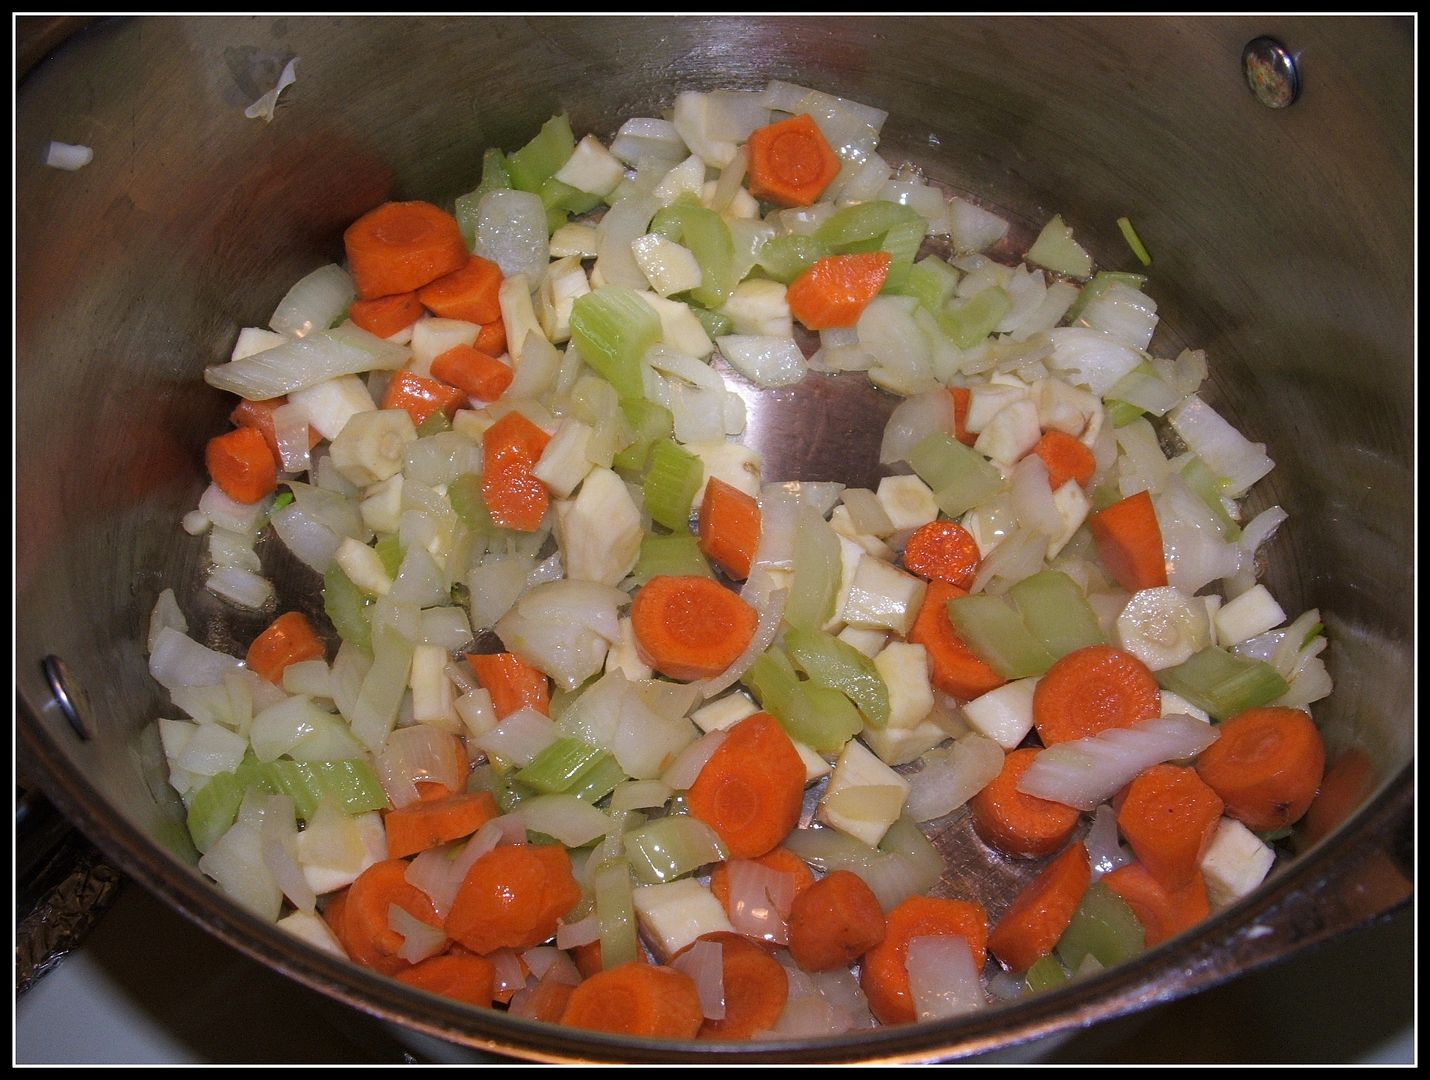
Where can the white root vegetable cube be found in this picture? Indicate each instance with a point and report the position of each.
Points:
(1176, 705)
(431, 690)
(679, 328)
(864, 796)
(724, 712)
(899, 746)
(381, 505)
(432, 337)
(565, 281)
(1236, 862)
(329, 405)
(327, 870)
(592, 168)
(814, 764)
(687, 178)
(576, 239)
(882, 597)
(759, 306)
(1004, 715)
(476, 712)
(987, 401)
(623, 656)
(599, 532)
(1253, 612)
(731, 462)
(868, 641)
(372, 446)
(312, 929)
(1069, 409)
(1072, 506)
(905, 671)
(675, 913)
(907, 501)
(842, 522)
(363, 566)
(1011, 434)
(564, 463)
(668, 266)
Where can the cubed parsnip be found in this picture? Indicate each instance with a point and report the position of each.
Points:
(1011, 433)
(564, 282)
(758, 306)
(867, 640)
(332, 857)
(986, 401)
(864, 796)
(575, 238)
(381, 505)
(882, 597)
(1069, 409)
(312, 929)
(849, 555)
(742, 205)
(668, 266)
(592, 168)
(724, 712)
(518, 315)
(373, 446)
(432, 701)
(1235, 863)
(734, 463)
(905, 670)
(842, 523)
(473, 423)
(1004, 715)
(899, 746)
(623, 656)
(329, 405)
(253, 340)
(1176, 705)
(1253, 612)
(564, 463)
(1072, 505)
(363, 566)
(432, 337)
(907, 501)
(599, 532)
(476, 712)
(815, 766)
(674, 913)
(679, 328)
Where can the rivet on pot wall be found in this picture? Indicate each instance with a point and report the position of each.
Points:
(1271, 72)
(73, 702)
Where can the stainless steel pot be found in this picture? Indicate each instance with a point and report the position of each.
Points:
(1283, 245)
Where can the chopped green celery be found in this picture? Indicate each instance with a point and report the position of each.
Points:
(284, 499)
(1122, 413)
(1045, 974)
(817, 566)
(821, 718)
(676, 555)
(973, 320)
(612, 327)
(716, 323)
(598, 781)
(560, 766)
(847, 229)
(668, 223)
(671, 847)
(904, 837)
(1222, 683)
(1312, 634)
(555, 219)
(508, 790)
(1104, 928)
(837, 665)
(1056, 612)
(494, 178)
(930, 281)
(351, 783)
(961, 477)
(650, 422)
(470, 505)
(994, 630)
(784, 258)
(904, 239)
(538, 160)
(1057, 250)
(1099, 284)
(616, 912)
(1134, 241)
(671, 483)
(389, 550)
(347, 607)
(558, 196)
(434, 425)
(706, 235)
(1207, 487)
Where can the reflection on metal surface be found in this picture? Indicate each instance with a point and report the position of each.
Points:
(1271, 72)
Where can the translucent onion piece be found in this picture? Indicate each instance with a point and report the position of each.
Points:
(765, 360)
(419, 941)
(570, 820)
(943, 977)
(519, 737)
(912, 421)
(438, 874)
(316, 302)
(951, 776)
(582, 932)
(178, 660)
(1085, 772)
(416, 753)
(166, 613)
(265, 106)
(307, 361)
(687, 765)
(242, 587)
(1105, 852)
(704, 963)
(546, 961)
(511, 232)
(760, 900)
(1237, 460)
(68, 156)
(280, 852)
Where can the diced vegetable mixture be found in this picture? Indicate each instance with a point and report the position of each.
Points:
(621, 732)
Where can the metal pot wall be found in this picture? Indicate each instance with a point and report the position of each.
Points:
(1283, 245)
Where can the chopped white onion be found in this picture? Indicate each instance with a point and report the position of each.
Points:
(704, 963)
(943, 977)
(265, 106)
(166, 613)
(242, 587)
(410, 754)
(760, 900)
(519, 737)
(1237, 460)
(280, 852)
(1105, 852)
(570, 820)
(316, 302)
(68, 156)
(764, 360)
(913, 420)
(178, 660)
(581, 932)
(1085, 772)
(419, 941)
(951, 776)
(307, 361)
(511, 232)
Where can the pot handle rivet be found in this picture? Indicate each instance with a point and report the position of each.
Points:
(1271, 72)
(73, 702)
